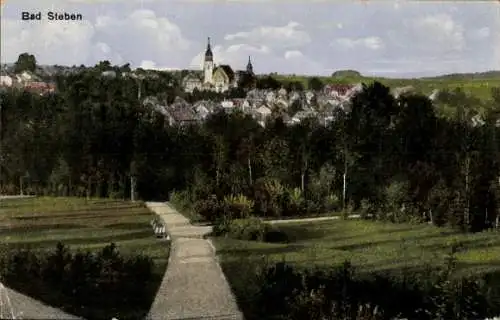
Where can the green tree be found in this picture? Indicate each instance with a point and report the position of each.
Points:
(268, 82)
(25, 62)
(294, 86)
(315, 84)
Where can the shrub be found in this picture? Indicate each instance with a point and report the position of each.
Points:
(366, 208)
(275, 235)
(313, 207)
(238, 207)
(181, 199)
(250, 229)
(348, 211)
(23, 265)
(332, 202)
(210, 209)
(221, 226)
(287, 292)
(87, 284)
(270, 197)
(56, 263)
(295, 202)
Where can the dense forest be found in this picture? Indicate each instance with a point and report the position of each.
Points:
(393, 158)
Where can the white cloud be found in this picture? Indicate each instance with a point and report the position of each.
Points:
(481, 33)
(397, 4)
(372, 43)
(496, 42)
(55, 43)
(290, 35)
(87, 42)
(151, 65)
(149, 31)
(148, 64)
(438, 32)
(263, 58)
(103, 47)
(235, 55)
(293, 54)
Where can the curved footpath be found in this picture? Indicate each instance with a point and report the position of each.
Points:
(304, 220)
(194, 286)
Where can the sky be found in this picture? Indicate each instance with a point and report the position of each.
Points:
(391, 38)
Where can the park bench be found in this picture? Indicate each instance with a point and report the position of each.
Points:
(154, 223)
(159, 229)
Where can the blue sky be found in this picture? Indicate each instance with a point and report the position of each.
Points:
(387, 38)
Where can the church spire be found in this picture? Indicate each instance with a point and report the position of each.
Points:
(249, 66)
(208, 54)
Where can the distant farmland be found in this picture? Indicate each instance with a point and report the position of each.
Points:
(478, 85)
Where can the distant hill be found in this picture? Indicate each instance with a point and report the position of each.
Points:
(478, 84)
(346, 74)
(493, 74)
(468, 76)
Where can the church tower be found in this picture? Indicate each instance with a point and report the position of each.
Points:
(208, 65)
(249, 66)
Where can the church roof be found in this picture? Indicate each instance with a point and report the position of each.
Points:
(228, 70)
(208, 53)
(249, 65)
(193, 76)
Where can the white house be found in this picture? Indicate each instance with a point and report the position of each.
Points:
(309, 95)
(270, 96)
(263, 112)
(282, 93)
(227, 104)
(301, 115)
(202, 111)
(25, 76)
(109, 74)
(6, 81)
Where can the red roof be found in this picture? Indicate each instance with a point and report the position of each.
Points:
(40, 86)
(340, 89)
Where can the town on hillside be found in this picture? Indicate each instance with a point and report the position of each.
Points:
(199, 93)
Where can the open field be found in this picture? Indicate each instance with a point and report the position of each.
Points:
(42, 222)
(373, 246)
(370, 246)
(39, 223)
(480, 88)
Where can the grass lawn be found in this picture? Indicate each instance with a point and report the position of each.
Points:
(39, 223)
(370, 246)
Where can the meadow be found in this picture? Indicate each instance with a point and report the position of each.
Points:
(479, 86)
(40, 223)
(370, 246)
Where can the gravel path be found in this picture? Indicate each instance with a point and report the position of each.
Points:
(194, 286)
(300, 220)
(2, 197)
(14, 305)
